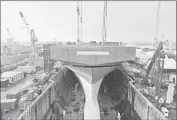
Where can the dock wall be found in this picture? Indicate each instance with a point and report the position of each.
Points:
(143, 107)
(41, 107)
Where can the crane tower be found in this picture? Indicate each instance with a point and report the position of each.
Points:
(32, 35)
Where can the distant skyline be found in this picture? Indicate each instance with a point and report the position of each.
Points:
(128, 21)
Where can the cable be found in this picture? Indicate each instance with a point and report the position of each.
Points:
(105, 21)
(78, 14)
(103, 24)
(157, 25)
(104, 29)
(81, 21)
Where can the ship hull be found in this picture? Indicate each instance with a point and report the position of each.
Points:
(9, 60)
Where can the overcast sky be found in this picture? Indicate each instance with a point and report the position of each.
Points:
(127, 21)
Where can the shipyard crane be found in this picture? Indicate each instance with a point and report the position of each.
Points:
(153, 59)
(158, 60)
(158, 56)
(32, 35)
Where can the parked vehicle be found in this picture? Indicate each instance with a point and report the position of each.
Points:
(165, 112)
(77, 107)
(38, 68)
(30, 95)
(35, 80)
(35, 95)
(6, 110)
(72, 97)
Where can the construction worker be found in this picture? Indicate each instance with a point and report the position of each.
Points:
(118, 116)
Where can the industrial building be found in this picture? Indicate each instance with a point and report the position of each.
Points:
(14, 95)
(8, 104)
(13, 77)
(4, 82)
(9, 47)
(27, 69)
(169, 71)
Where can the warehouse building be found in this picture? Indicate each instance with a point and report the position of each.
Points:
(13, 77)
(4, 82)
(169, 71)
(27, 69)
(13, 93)
(8, 104)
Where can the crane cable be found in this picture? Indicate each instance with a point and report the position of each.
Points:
(78, 14)
(103, 37)
(156, 35)
(157, 25)
(79, 21)
(104, 29)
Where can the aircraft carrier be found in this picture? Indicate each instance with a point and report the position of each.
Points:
(82, 81)
(85, 88)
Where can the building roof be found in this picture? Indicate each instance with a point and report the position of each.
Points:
(9, 74)
(132, 45)
(57, 64)
(8, 100)
(4, 79)
(25, 48)
(169, 63)
(144, 56)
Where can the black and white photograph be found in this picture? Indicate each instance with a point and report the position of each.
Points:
(88, 60)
